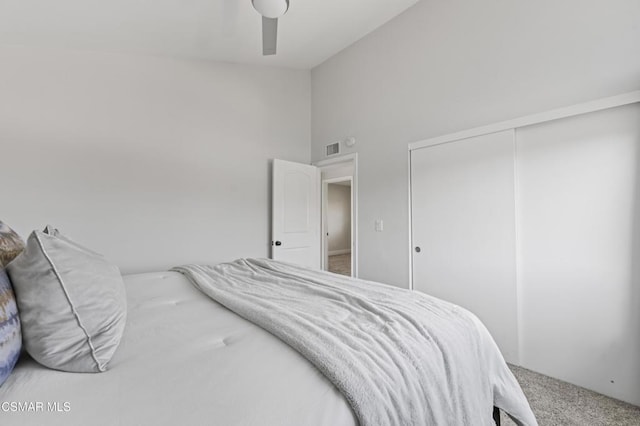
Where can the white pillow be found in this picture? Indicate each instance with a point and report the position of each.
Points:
(72, 303)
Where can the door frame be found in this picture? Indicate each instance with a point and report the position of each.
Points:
(331, 162)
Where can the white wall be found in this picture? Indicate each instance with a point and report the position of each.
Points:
(445, 66)
(339, 218)
(152, 161)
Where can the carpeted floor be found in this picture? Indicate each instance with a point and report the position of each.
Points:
(340, 264)
(557, 403)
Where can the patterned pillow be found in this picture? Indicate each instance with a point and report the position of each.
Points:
(10, 244)
(10, 333)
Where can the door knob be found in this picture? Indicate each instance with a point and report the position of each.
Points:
(418, 249)
(278, 243)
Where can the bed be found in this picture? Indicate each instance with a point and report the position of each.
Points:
(259, 342)
(182, 360)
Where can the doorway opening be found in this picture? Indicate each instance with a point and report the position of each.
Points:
(339, 215)
(338, 225)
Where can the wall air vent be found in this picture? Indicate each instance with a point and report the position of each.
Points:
(333, 149)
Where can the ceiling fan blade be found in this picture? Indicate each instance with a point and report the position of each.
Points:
(269, 35)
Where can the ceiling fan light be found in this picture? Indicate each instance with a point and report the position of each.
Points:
(271, 8)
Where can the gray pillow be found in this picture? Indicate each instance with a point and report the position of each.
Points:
(72, 303)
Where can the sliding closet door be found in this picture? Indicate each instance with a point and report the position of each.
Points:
(464, 225)
(579, 249)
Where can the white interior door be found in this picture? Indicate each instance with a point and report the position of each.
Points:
(296, 213)
(463, 221)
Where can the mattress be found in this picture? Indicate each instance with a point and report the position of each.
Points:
(183, 359)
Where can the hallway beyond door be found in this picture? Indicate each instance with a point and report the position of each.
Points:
(340, 264)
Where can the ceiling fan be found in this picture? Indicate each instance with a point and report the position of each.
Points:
(270, 10)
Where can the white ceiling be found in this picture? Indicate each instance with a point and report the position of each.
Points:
(224, 30)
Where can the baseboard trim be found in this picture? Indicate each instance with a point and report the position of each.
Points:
(337, 252)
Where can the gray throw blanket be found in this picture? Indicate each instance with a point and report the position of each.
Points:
(399, 357)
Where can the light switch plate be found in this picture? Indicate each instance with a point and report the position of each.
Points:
(379, 225)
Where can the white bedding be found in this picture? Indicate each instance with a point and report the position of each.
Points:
(399, 357)
(183, 360)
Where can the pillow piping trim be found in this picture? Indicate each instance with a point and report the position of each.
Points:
(71, 305)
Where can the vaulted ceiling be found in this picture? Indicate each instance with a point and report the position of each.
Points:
(223, 30)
